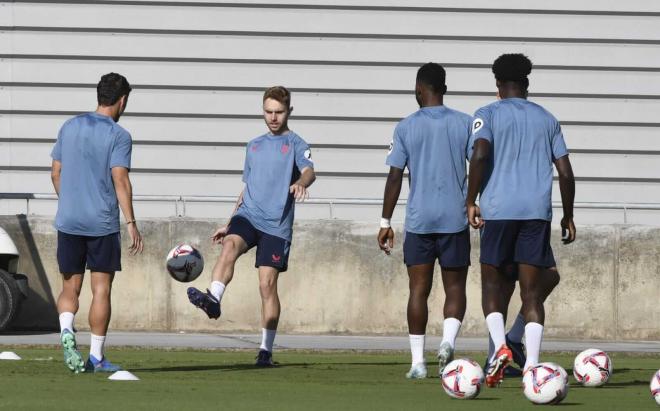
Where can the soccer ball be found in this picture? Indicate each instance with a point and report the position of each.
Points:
(462, 379)
(545, 383)
(655, 387)
(592, 368)
(184, 263)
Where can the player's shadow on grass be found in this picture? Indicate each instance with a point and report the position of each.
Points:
(248, 367)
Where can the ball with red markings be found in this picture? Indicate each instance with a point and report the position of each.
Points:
(655, 387)
(184, 263)
(545, 383)
(592, 367)
(462, 379)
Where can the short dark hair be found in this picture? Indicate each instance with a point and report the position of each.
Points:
(278, 93)
(433, 75)
(111, 88)
(513, 67)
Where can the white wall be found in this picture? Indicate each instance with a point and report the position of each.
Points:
(198, 72)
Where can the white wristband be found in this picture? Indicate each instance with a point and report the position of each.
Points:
(385, 223)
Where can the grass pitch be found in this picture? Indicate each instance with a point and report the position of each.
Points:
(221, 380)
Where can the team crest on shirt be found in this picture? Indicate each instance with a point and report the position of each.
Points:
(477, 124)
(389, 151)
(254, 147)
(285, 149)
(308, 154)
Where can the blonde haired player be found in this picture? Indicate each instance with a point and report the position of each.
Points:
(278, 170)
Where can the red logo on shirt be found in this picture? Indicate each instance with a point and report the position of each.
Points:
(285, 149)
(254, 147)
(276, 258)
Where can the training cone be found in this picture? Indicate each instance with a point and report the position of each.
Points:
(9, 355)
(123, 376)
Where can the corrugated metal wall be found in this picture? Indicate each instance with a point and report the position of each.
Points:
(198, 71)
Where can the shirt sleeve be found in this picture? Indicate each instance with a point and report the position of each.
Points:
(559, 149)
(303, 154)
(246, 164)
(481, 126)
(398, 155)
(121, 152)
(56, 153)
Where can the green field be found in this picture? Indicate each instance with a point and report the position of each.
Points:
(222, 380)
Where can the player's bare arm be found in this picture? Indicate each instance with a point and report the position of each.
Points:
(124, 191)
(567, 190)
(478, 164)
(390, 198)
(299, 188)
(220, 234)
(55, 174)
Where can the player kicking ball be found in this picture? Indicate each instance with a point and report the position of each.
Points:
(515, 144)
(91, 161)
(432, 143)
(278, 170)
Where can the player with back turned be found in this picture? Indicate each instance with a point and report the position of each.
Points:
(278, 170)
(91, 163)
(515, 143)
(432, 144)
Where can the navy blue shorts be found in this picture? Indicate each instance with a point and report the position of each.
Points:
(272, 251)
(507, 242)
(450, 249)
(101, 254)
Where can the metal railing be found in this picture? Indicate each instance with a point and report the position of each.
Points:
(180, 201)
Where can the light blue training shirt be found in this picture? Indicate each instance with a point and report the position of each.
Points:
(272, 164)
(525, 141)
(432, 143)
(89, 146)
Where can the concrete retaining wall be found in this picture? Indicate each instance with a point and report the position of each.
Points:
(339, 282)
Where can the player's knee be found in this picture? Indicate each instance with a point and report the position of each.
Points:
(530, 296)
(101, 291)
(229, 252)
(267, 287)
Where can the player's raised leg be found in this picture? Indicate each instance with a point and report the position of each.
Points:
(270, 314)
(99, 318)
(233, 246)
(420, 281)
(67, 306)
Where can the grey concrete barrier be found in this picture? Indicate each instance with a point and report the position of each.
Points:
(339, 282)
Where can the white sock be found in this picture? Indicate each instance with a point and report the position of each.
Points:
(450, 328)
(96, 346)
(217, 289)
(491, 348)
(517, 330)
(66, 321)
(533, 338)
(495, 322)
(267, 339)
(417, 348)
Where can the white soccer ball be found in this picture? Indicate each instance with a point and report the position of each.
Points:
(592, 368)
(462, 379)
(545, 383)
(184, 263)
(655, 387)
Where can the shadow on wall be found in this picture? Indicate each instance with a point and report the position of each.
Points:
(38, 311)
